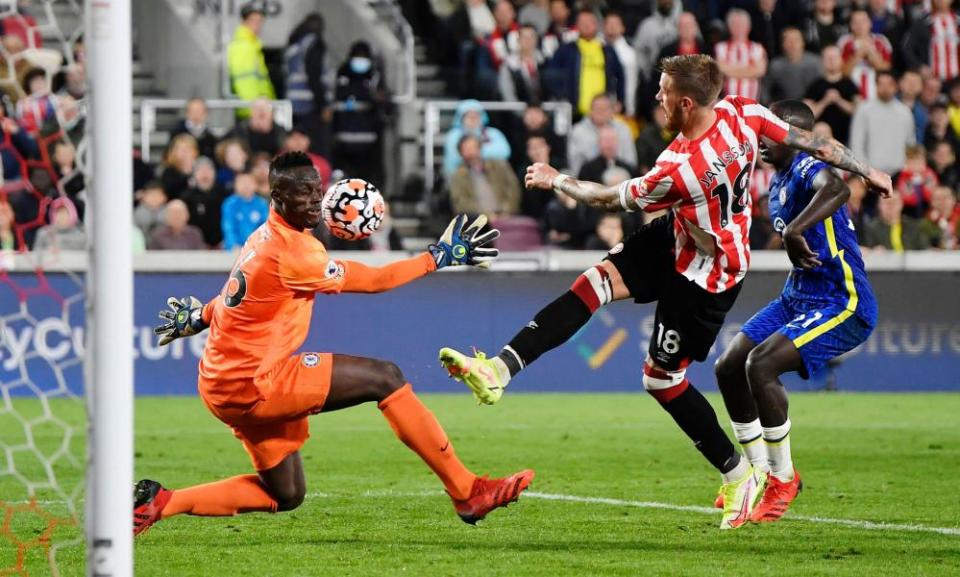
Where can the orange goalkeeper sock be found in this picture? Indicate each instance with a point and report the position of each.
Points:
(240, 494)
(416, 426)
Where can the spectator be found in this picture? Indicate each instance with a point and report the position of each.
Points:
(232, 157)
(911, 84)
(943, 221)
(583, 69)
(149, 210)
(72, 119)
(608, 143)
(608, 234)
(567, 223)
(884, 21)
(176, 233)
(534, 202)
(823, 28)
(520, 78)
(953, 106)
(13, 66)
(306, 70)
(864, 54)
(195, 124)
(653, 140)
(653, 34)
(932, 93)
(242, 212)
(260, 169)
(64, 231)
(505, 38)
(483, 186)
(688, 39)
(178, 164)
(249, 76)
(559, 32)
(763, 236)
(204, 201)
(916, 182)
(933, 42)
(70, 180)
(894, 231)
(535, 13)
(536, 122)
(943, 161)
(791, 74)
(471, 118)
(74, 82)
(8, 234)
(856, 206)
(14, 157)
(760, 186)
(583, 142)
(298, 140)
(743, 62)
(939, 130)
(362, 105)
(260, 132)
(882, 128)
(613, 32)
(39, 105)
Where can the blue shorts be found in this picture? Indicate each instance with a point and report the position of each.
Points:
(820, 331)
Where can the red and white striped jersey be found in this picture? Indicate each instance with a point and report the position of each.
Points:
(706, 182)
(863, 74)
(741, 54)
(945, 46)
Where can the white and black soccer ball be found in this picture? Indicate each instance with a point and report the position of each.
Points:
(353, 209)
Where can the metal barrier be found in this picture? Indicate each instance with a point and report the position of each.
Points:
(282, 114)
(562, 118)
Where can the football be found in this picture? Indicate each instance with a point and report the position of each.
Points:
(353, 209)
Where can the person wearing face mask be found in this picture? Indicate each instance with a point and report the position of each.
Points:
(360, 110)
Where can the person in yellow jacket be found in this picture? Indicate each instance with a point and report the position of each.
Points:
(249, 77)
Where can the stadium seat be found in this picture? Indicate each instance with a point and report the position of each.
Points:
(517, 233)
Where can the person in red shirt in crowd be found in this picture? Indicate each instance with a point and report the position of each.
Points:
(943, 220)
(916, 182)
(742, 62)
(864, 53)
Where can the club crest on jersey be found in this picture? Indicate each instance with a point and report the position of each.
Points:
(617, 248)
(724, 159)
(779, 225)
(334, 270)
(310, 360)
(783, 195)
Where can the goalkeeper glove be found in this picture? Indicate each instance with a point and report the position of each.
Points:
(459, 246)
(184, 319)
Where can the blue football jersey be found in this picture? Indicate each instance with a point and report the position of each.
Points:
(841, 279)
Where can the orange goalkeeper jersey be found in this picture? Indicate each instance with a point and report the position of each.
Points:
(263, 313)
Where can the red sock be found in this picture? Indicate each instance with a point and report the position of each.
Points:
(416, 426)
(240, 494)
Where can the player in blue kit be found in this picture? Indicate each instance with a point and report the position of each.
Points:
(825, 309)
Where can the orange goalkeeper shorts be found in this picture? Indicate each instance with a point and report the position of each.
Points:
(269, 414)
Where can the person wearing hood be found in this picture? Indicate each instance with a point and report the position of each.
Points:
(654, 33)
(360, 112)
(471, 118)
(65, 232)
(308, 75)
(249, 76)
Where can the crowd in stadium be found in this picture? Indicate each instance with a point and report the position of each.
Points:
(882, 76)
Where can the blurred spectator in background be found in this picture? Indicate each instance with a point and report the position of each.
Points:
(790, 75)
(470, 118)
(520, 77)
(567, 223)
(260, 132)
(8, 235)
(74, 82)
(204, 200)
(13, 66)
(306, 72)
(232, 157)
(583, 142)
(916, 182)
(613, 33)
(864, 54)
(653, 140)
(559, 32)
(195, 124)
(943, 161)
(892, 230)
(260, 170)
(763, 236)
(535, 13)
(953, 106)
(483, 186)
(943, 221)
(932, 94)
(933, 42)
(938, 129)
(688, 40)
(823, 27)
(65, 232)
(583, 69)
(742, 61)
(608, 233)
(178, 164)
(249, 76)
(24, 147)
(298, 140)
(70, 180)
(882, 128)
(149, 210)
(242, 212)
(856, 207)
(534, 202)
(608, 144)
(175, 233)
(505, 38)
(361, 109)
(770, 19)
(911, 84)
(72, 119)
(654, 33)
(39, 105)
(536, 122)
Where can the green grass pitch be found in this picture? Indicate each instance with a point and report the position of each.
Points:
(374, 509)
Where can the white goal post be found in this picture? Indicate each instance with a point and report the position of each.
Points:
(109, 386)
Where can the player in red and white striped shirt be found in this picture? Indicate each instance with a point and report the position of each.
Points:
(690, 261)
(743, 62)
(864, 53)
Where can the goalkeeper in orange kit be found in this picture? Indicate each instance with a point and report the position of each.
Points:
(251, 380)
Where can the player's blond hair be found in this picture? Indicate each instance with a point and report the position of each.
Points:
(694, 75)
